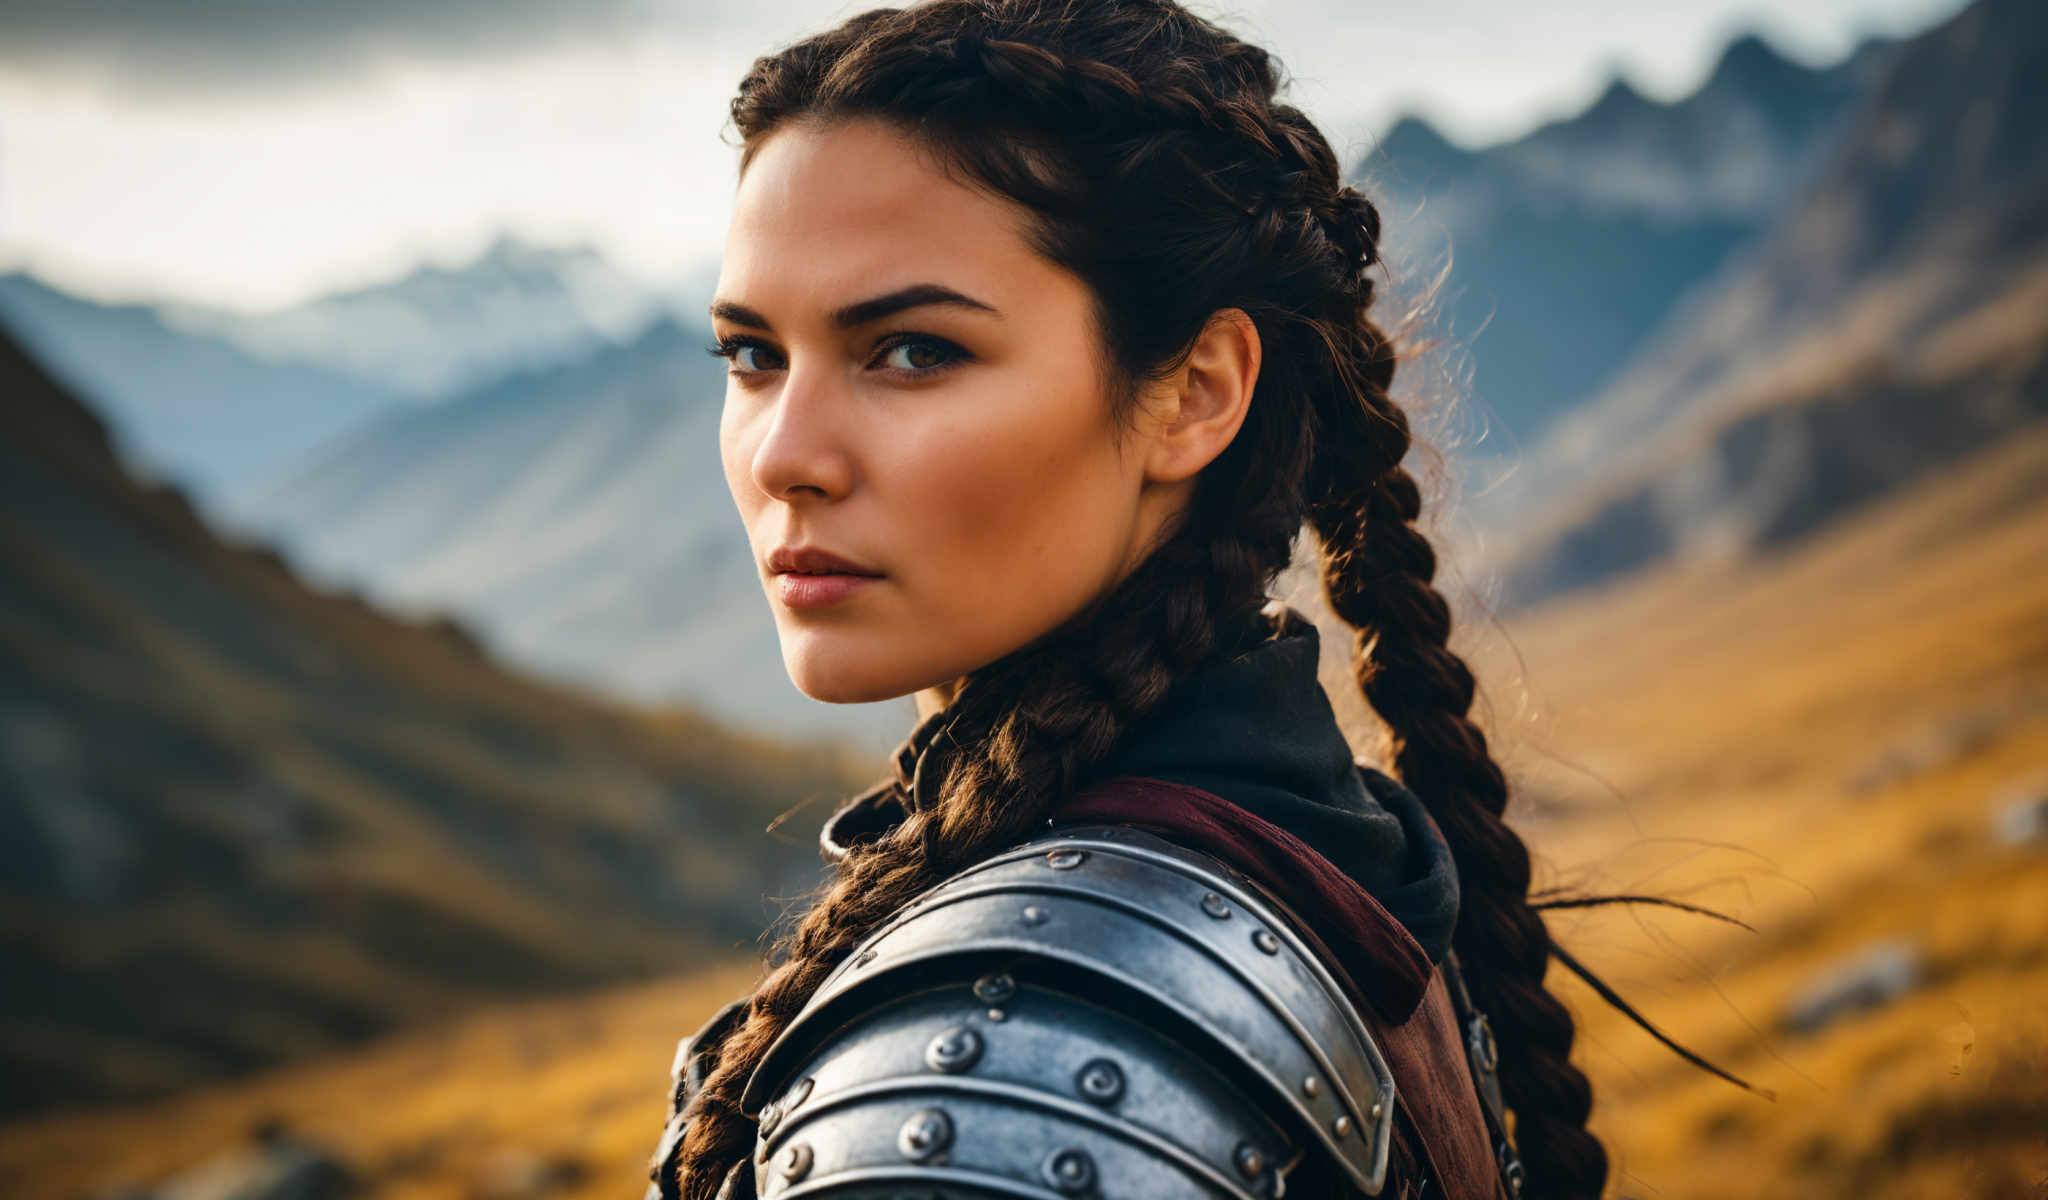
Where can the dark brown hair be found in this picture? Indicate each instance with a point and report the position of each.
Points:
(1158, 164)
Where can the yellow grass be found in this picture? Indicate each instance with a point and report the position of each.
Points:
(423, 1116)
(1815, 744)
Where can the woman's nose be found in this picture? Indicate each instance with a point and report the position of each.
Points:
(804, 450)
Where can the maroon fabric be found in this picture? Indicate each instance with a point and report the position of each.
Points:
(1388, 966)
(1433, 1082)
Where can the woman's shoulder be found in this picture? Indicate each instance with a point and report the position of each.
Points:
(1099, 1002)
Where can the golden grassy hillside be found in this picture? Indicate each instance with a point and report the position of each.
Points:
(1815, 744)
(1818, 744)
(573, 1090)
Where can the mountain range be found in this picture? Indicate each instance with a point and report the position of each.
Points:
(190, 409)
(440, 330)
(1567, 246)
(1894, 319)
(226, 404)
(545, 469)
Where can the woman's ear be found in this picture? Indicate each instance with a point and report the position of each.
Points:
(1199, 408)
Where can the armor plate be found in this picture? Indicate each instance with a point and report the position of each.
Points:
(1097, 1005)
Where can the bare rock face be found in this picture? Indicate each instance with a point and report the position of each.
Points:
(1892, 320)
(1867, 980)
(2021, 809)
(275, 1165)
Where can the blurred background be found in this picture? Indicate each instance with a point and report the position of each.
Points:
(396, 756)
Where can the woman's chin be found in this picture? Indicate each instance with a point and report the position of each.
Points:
(847, 696)
(838, 684)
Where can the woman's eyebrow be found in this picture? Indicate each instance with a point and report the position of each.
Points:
(917, 295)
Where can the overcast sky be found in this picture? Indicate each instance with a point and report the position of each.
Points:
(251, 153)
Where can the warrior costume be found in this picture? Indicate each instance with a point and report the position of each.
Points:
(1222, 970)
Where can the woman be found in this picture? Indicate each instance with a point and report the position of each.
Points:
(1048, 330)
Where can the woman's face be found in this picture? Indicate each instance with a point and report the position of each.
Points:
(916, 391)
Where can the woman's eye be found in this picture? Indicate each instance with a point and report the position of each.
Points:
(747, 357)
(921, 354)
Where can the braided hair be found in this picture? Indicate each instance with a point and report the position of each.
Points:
(1156, 162)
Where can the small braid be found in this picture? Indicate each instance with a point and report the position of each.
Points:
(1157, 165)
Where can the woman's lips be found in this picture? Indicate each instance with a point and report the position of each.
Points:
(817, 591)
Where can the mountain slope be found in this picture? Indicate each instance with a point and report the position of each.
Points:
(241, 820)
(221, 423)
(438, 330)
(579, 519)
(1568, 245)
(1895, 319)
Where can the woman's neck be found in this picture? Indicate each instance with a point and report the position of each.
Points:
(936, 697)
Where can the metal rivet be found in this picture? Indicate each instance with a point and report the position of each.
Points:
(1341, 1126)
(925, 1135)
(796, 1162)
(1215, 905)
(1311, 1087)
(998, 1015)
(953, 1051)
(1034, 915)
(866, 957)
(1100, 1081)
(1378, 1110)
(1250, 1163)
(1064, 860)
(1481, 1039)
(802, 1092)
(771, 1116)
(1070, 1171)
(995, 988)
(1265, 941)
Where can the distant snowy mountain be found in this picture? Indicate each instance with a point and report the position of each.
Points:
(438, 330)
(579, 519)
(1569, 245)
(197, 410)
(226, 404)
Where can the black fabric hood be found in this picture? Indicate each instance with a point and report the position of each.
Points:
(1253, 726)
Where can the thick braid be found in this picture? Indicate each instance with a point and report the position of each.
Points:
(1377, 573)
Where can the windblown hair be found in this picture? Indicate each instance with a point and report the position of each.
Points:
(1158, 164)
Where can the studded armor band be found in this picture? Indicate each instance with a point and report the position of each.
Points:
(1097, 1013)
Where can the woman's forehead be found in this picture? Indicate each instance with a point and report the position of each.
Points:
(828, 213)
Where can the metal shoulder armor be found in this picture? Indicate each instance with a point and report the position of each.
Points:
(1096, 1013)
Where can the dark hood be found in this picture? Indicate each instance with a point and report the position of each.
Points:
(1253, 726)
